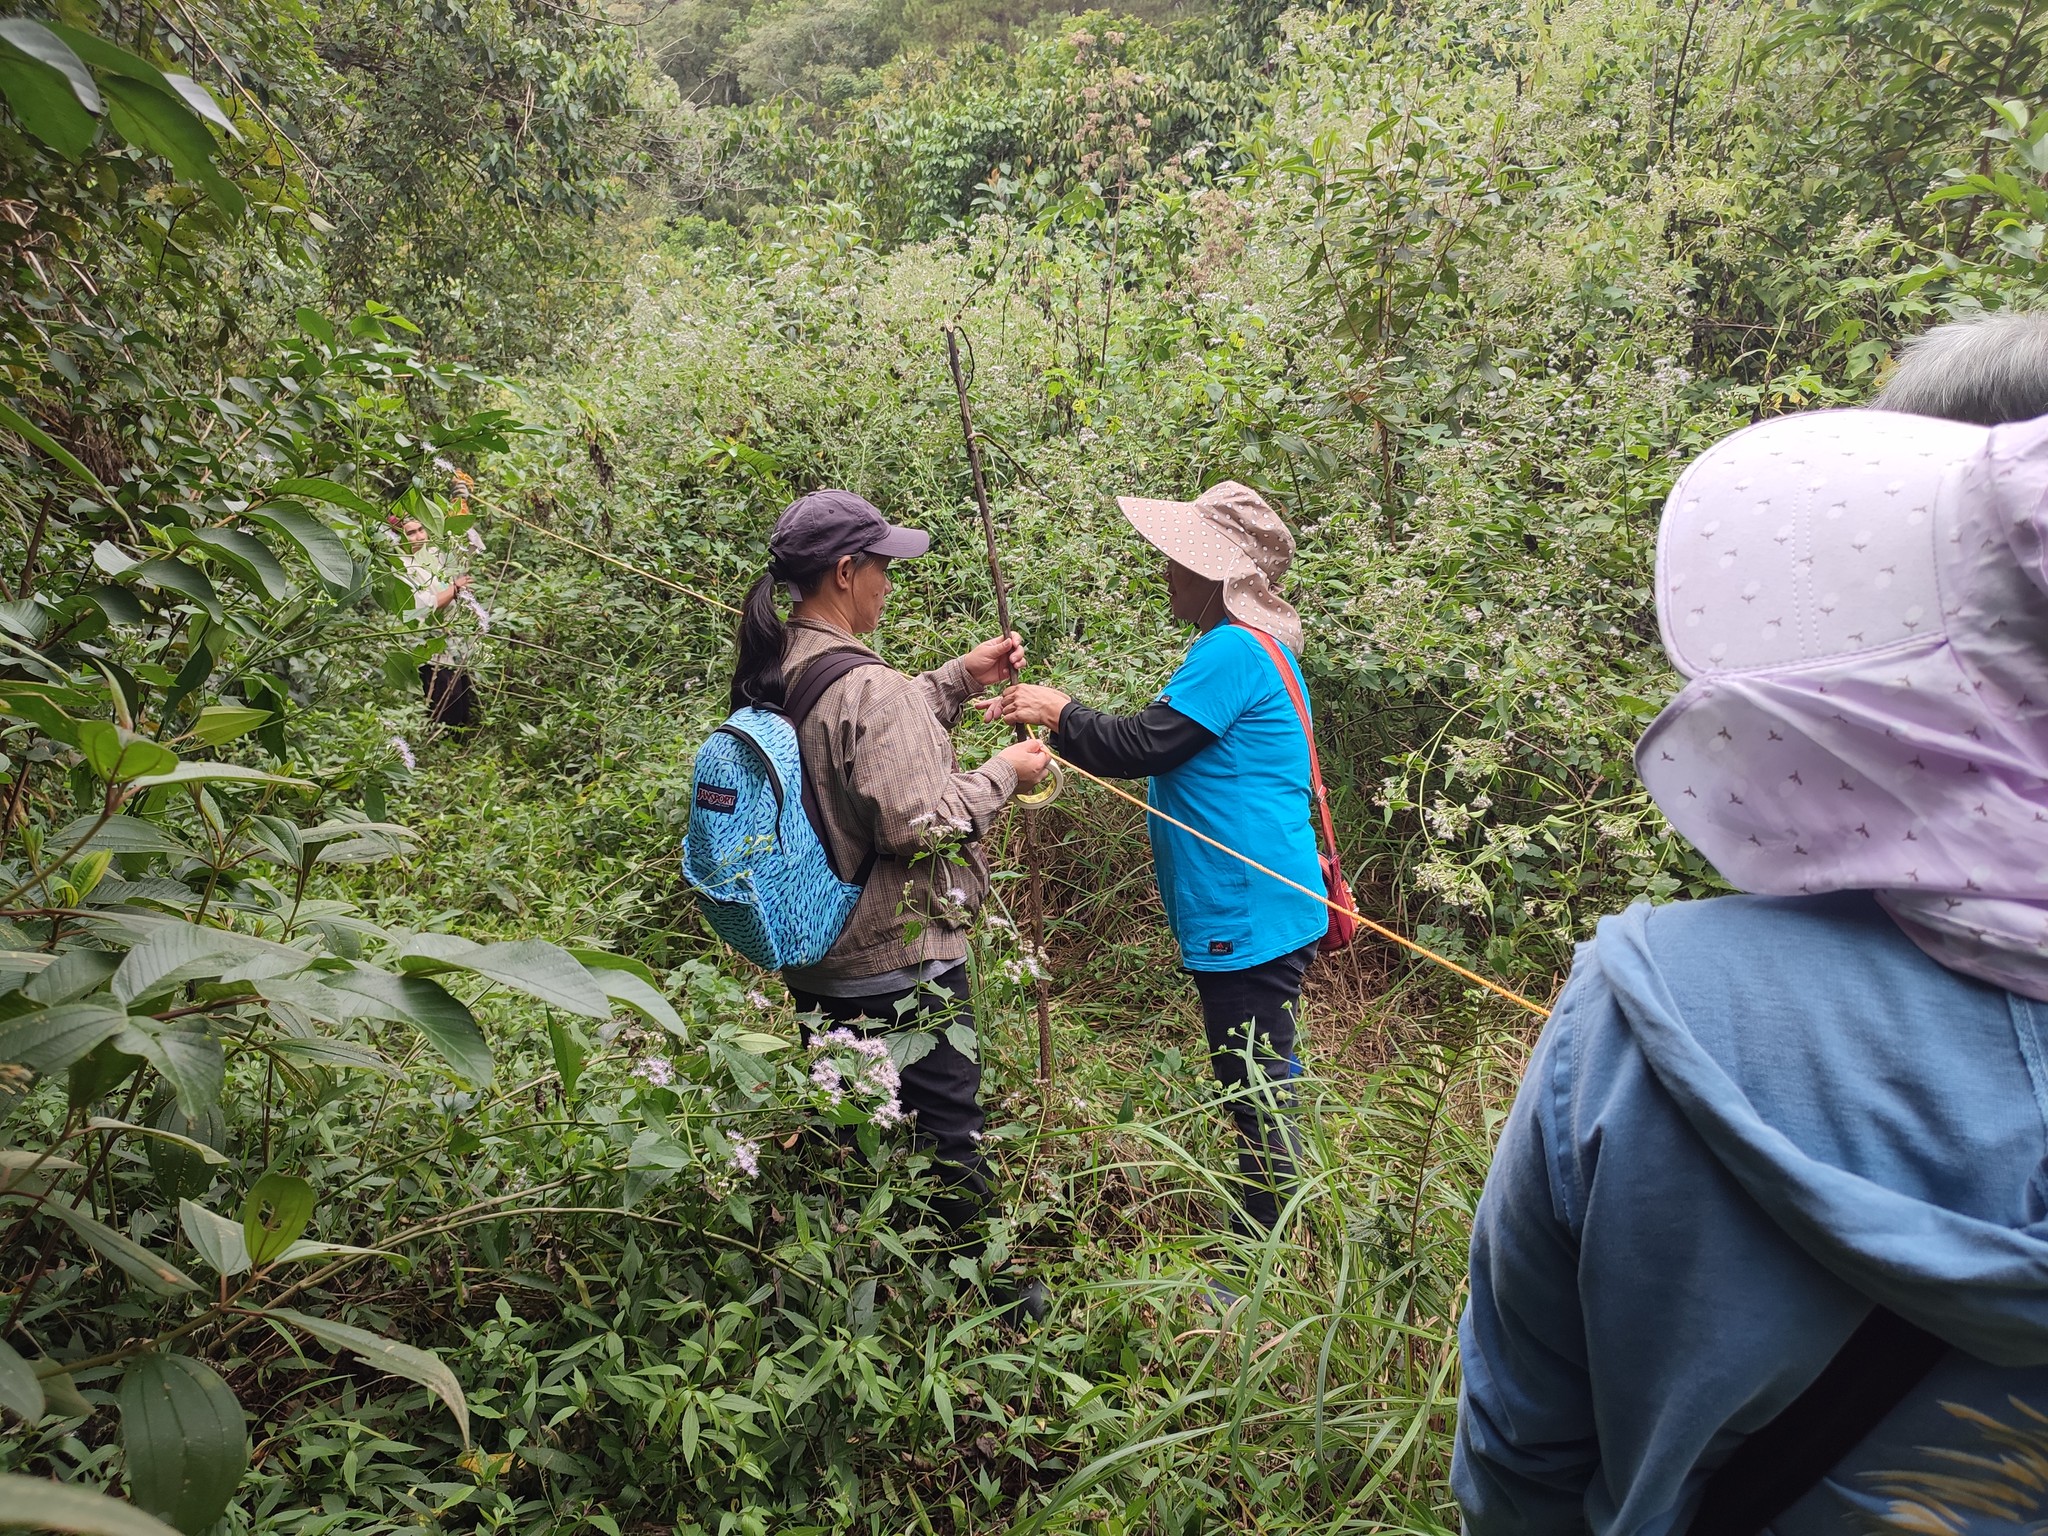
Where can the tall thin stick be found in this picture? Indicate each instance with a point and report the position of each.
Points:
(1035, 891)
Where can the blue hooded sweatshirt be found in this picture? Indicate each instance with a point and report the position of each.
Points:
(1748, 1120)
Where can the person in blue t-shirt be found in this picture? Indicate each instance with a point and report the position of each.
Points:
(1225, 750)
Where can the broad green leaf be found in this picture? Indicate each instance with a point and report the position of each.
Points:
(186, 1440)
(219, 773)
(189, 952)
(22, 427)
(43, 101)
(320, 544)
(755, 1043)
(329, 491)
(33, 40)
(165, 574)
(120, 834)
(428, 1006)
(71, 975)
(216, 1239)
(249, 555)
(31, 1173)
(24, 704)
(159, 1275)
(42, 1504)
(305, 1251)
(625, 987)
(157, 1133)
(328, 831)
(533, 966)
(201, 100)
(119, 756)
(612, 960)
(20, 1393)
(160, 122)
(26, 618)
(334, 1053)
(190, 1060)
(219, 724)
(50, 1039)
(99, 1072)
(276, 1212)
(62, 1398)
(117, 605)
(420, 1365)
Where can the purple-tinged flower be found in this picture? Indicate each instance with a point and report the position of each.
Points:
(655, 1071)
(404, 750)
(746, 1155)
(483, 614)
(759, 999)
(476, 540)
(825, 1073)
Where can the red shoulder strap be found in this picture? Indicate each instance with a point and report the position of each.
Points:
(1315, 768)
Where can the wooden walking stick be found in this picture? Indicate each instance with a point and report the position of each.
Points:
(1036, 799)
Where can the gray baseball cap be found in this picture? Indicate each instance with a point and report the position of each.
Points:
(818, 529)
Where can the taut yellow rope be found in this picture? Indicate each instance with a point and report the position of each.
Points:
(1150, 810)
(1363, 921)
(563, 538)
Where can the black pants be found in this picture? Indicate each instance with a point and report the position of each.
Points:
(1258, 1007)
(942, 1088)
(451, 695)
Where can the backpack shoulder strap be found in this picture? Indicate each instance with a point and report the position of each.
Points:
(798, 702)
(1315, 768)
(1885, 1358)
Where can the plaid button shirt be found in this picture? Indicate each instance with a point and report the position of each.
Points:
(879, 758)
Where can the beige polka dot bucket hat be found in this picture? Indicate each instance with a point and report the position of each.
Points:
(1227, 534)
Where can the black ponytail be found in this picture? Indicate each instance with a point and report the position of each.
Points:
(757, 671)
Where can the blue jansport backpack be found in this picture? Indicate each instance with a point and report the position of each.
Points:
(753, 854)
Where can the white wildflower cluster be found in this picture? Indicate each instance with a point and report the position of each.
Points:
(404, 750)
(1025, 965)
(1447, 821)
(1451, 882)
(746, 1155)
(870, 1074)
(1514, 841)
(758, 999)
(940, 830)
(656, 1071)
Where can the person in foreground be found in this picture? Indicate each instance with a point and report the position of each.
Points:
(1765, 1242)
(1225, 749)
(895, 811)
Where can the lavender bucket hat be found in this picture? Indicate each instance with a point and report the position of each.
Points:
(1859, 600)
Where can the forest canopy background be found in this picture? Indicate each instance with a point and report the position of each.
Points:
(387, 1145)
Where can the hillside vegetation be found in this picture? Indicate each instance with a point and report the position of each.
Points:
(389, 1146)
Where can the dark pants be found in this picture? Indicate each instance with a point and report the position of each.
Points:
(1258, 1006)
(942, 1088)
(451, 695)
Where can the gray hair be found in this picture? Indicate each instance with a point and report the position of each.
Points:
(1989, 369)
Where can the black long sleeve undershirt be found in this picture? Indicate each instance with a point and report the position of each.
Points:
(1157, 739)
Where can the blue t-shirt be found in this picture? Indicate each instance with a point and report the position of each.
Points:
(1250, 789)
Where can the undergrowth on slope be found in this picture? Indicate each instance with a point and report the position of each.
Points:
(1458, 287)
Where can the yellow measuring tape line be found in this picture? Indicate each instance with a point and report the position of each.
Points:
(549, 533)
(1363, 921)
(1150, 810)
